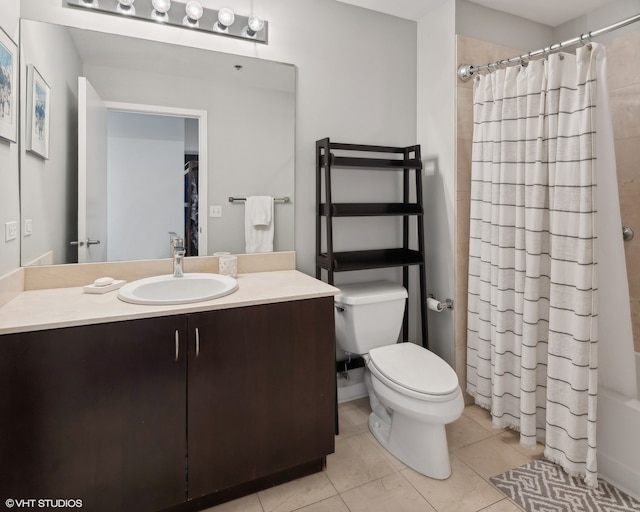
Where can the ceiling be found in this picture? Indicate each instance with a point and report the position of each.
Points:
(547, 12)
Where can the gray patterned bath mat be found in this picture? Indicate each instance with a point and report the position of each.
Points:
(544, 486)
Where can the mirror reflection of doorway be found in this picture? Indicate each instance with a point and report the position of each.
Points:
(149, 193)
(141, 175)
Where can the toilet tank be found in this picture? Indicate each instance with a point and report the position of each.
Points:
(369, 315)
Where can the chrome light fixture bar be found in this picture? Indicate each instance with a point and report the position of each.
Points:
(248, 28)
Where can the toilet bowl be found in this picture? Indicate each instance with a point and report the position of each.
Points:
(413, 393)
(421, 392)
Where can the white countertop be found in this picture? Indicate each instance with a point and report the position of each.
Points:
(54, 308)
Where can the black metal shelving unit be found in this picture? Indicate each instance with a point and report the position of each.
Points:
(337, 157)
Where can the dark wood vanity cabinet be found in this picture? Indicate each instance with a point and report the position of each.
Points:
(94, 413)
(166, 413)
(261, 392)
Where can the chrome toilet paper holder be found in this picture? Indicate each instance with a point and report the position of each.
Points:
(447, 304)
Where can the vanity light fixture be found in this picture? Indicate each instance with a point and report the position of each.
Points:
(194, 12)
(225, 20)
(191, 15)
(160, 10)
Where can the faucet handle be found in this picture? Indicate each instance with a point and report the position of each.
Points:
(177, 242)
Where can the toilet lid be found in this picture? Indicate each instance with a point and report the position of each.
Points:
(413, 367)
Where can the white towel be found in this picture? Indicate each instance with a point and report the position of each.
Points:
(259, 209)
(258, 224)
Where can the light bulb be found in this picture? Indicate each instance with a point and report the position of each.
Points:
(225, 18)
(161, 6)
(255, 25)
(160, 9)
(194, 12)
(126, 7)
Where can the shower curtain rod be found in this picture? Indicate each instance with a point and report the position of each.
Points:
(467, 71)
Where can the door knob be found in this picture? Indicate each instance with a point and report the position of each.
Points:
(80, 243)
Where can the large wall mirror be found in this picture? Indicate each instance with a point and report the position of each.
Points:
(144, 138)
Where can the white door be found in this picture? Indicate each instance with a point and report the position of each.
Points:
(92, 174)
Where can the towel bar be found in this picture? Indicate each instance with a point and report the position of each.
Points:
(276, 199)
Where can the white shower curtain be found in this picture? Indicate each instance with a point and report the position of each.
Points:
(533, 301)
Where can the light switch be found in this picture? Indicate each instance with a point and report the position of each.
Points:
(28, 227)
(215, 211)
(10, 231)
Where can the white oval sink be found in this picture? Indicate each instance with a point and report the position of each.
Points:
(194, 287)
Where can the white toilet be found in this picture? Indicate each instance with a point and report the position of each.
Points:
(413, 392)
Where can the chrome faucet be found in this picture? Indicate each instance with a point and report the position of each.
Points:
(177, 248)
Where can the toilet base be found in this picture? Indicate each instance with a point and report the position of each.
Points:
(421, 446)
(415, 439)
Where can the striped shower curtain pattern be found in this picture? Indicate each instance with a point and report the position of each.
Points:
(532, 313)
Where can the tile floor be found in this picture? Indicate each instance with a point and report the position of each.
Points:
(363, 477)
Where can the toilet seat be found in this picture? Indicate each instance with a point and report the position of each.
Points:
(414, 371)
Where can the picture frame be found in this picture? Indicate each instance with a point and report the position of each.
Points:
(38, 113)
(8, 88)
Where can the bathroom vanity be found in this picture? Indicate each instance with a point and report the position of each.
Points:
(154, 408)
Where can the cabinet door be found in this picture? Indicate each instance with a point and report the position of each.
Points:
(95, 413)
(261, 392)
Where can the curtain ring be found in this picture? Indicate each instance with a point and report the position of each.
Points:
(524, 62)
(586, 37)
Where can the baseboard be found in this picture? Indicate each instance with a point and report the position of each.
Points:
(352, 388)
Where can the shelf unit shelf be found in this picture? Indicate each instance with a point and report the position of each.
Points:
(370, 209)
(363, 260)
(343, 162)
(385, 158)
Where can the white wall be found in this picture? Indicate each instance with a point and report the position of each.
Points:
(355, 69)
(50, 186)
(599, 18)
(145, 184)
(473, 20)
(191, 135)
(9, 156)
(436, 135)
(436, 129)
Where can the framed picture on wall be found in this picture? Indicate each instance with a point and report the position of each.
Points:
(8, 88)
(38, 109)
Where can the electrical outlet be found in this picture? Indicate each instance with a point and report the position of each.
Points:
(10, 231)
(28, 227)
(215, 211)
